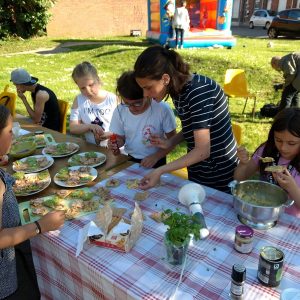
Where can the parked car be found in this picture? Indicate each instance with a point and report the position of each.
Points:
(262, 18)
(286, 23)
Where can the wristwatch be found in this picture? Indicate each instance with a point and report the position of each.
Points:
(38, 229)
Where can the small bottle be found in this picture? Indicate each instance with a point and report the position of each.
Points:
(113, 140)
(243, 241)
(238, 277)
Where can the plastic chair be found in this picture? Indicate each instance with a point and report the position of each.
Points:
(235, 86)
(63, 109)
(9, 100)
(237, 132)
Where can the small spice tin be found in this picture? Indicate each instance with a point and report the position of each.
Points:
(238, 277)
(270, 266)
(243, 241)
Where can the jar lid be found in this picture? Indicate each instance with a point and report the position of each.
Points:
(238, 273)
(244, 231)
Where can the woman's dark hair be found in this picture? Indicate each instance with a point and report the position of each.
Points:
(287, 119)
(156, 60)
(4, 115)
(128, 88)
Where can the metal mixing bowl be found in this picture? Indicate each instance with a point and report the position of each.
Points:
(258, 203)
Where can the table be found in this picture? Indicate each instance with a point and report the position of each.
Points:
(113, 163)
(100, 273)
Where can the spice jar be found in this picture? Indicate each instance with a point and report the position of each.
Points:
(113, 140)
(238, 277)
(243, 241)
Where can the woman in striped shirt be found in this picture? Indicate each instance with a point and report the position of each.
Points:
(202, 108)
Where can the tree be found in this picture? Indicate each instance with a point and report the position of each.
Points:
(24, 18)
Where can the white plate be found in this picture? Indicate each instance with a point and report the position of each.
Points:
(99, 155)
(93, 173)
(47, 183)
(50, 163)
(61, 155)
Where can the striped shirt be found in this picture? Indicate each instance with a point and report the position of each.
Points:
(202, 105)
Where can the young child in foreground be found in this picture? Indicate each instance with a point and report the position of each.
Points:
(283, 145)
(136, 119)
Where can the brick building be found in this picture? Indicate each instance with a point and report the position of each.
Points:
(243, 9)
(97, 18)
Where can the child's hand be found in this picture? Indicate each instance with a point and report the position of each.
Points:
(285, 180)
(159, 142)
(149, 161)
(243, 155)
(52, 220)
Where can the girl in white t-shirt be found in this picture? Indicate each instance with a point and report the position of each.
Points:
(136, 119)
(92, 109)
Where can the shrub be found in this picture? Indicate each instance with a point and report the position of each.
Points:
(24, 18)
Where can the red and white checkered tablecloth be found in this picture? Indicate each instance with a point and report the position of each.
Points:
(100, 273)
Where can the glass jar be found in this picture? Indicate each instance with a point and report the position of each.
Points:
(243, 241)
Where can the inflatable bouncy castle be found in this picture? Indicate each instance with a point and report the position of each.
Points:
(210, 22)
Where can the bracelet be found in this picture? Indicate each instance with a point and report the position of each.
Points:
(38, 227)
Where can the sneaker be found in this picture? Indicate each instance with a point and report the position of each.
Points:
(181, 47)
(176, 47)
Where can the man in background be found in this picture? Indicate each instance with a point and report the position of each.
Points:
(290, 66)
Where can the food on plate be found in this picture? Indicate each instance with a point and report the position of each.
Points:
(38, 139)
(81, 194)
(87, 159)
(40, 210)
(266, 159)
(132, 183)
(55, 203)
(275, 168)
(63, 193)
(31, 164)
(74, 177)
(140, 196)
(72, 206)
(71, 213)
(30, 183)
(36, 202)
(112, 182)
(61, 149)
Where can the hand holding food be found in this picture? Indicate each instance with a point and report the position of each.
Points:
(243, 155)
(285, 179)
(52, 220)
(150, 180)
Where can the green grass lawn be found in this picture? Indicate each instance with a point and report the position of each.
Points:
(114, 55)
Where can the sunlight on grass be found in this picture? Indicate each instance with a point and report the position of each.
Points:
(114, 55)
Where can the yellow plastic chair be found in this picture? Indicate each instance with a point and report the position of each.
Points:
(235, 86)
(237, 132)
(63, 109)
(9, 100)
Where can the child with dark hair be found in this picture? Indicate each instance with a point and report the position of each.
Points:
(17, 274)
(203, 110)
(138, 118)
(283, 147)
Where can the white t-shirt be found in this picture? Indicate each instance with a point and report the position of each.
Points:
(157, 119)
(181, 18)
(87, 112)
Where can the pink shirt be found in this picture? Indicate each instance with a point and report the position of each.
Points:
(292, 210)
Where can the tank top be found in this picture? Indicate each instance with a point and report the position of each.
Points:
(51, 116)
